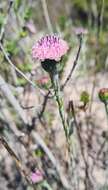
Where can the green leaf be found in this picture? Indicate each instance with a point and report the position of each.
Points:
(39, 152)
(28, 13)
(23, 33)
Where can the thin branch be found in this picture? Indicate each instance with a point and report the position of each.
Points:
(74, 64)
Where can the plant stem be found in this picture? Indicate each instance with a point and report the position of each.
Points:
(59, 100)
(56, 87)
(106, 109)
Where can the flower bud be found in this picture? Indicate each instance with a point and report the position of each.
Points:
(43, 82)
(103, 95)
(84, 97)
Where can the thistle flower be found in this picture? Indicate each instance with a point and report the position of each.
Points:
(49, 50)
(36, 176)
(49, 47)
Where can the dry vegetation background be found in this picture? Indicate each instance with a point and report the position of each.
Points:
(36, 134)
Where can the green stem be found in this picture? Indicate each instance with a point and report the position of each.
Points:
(106, 109)
(59, 100)
(56, 87)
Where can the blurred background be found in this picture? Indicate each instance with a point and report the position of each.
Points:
(29, 119)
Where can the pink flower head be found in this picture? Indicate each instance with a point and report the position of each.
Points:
(36, 176)
(50, 47)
